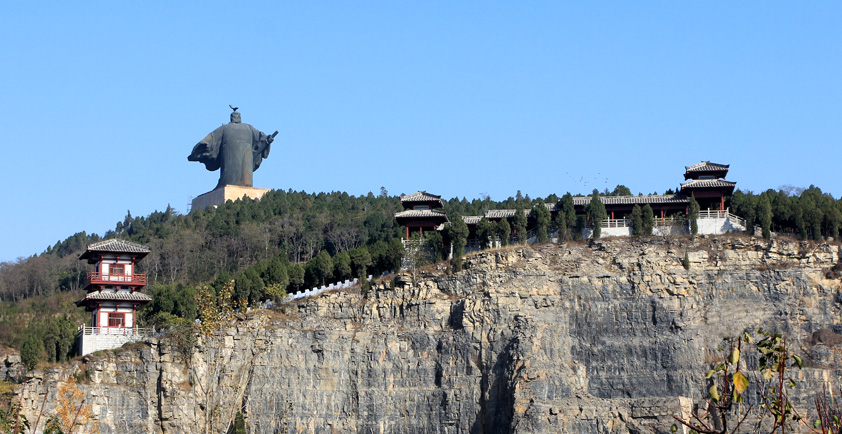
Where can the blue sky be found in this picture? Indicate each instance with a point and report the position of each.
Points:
(103, 101)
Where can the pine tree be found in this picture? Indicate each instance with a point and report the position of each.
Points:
(637, 220)
(542, 222)
(694, 217)
(597, 213)
(458, 234)
(648, 220)
(504, 231)
(764, 216)
(520, 226)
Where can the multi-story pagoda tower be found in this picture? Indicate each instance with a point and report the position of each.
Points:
(114, 295)
(706, 182)
(421, 210)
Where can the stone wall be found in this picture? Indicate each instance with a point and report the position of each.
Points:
(612, 336)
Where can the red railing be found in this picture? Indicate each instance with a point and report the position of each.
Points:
(97, 278)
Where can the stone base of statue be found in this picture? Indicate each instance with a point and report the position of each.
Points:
(225, 193)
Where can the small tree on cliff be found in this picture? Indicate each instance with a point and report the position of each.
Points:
(764, 215)
(637, 220)
(542, 222)
(520, 226)
(596, 213)
(504, 231)
(648, 220)
(458, 234)
(694, 217)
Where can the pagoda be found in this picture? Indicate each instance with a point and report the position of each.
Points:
(421, 210)
(706, 182)
(114, 295)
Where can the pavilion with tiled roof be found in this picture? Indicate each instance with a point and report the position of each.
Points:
(114, 294)
(705, 182)
(421, 210)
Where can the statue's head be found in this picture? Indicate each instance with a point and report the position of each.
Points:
(235, 117)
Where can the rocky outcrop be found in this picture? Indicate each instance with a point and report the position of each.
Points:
(611, 336)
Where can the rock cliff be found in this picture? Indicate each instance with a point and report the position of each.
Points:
(611, 336)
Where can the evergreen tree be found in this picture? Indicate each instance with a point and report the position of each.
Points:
(296, 278)
(520, 222)
(542, 222)
(596, 213)
(504, 231)
(458, 234)
(342, 266)
(360, 261)
(579, 229)
(764, 215)
(648, 220)
(485, 232)
(637, 220)
(323, 267)
(694, 217)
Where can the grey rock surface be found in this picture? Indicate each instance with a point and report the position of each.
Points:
(613, 336)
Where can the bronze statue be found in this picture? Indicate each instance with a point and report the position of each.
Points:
(237, 149)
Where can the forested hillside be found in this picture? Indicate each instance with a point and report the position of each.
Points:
(286, 242)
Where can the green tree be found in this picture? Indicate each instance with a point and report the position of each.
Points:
(458, 234)
(694, 217)
(239, 424)
(323, 267)
(342, 266)
(764, 216)
(31, 352)
(248, 288)
(637, 220)
(504, 231)
(360, 260)
(621, 190)
(596, 213)
(542, 222)
(520, 222)
(296, 277)
(648, 220)
(485, 233)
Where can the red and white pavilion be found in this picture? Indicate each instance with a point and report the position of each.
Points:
(114, 294)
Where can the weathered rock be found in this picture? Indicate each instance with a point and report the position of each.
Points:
(614, 336)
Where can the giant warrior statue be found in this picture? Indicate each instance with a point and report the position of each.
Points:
(236, 149)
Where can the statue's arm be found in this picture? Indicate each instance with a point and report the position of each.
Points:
(207, 151)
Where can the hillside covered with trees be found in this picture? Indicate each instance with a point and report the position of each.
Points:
(294, 240)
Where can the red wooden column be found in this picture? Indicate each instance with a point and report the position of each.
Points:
(407, 232)
(722, 203)
(421, 232)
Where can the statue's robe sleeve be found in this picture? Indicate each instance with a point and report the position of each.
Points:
(207, 150)
(260, 148)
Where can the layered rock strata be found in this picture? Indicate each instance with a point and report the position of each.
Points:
(610, 336)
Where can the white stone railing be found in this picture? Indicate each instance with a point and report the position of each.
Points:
(319, 290)
(112, 331)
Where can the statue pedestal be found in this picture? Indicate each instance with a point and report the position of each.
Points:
(225, 193)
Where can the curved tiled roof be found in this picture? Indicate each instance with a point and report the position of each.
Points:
(471, 219)
(707, 166)
(504, 213)
(632, 200)
(707, 183)
(114, 246)
(118, 295)
(420, 213)
(420, 196)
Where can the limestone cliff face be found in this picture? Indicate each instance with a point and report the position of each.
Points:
(612, 336)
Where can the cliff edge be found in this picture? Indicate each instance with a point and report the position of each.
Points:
(611, 336)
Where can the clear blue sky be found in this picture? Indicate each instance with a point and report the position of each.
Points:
(103, 101)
